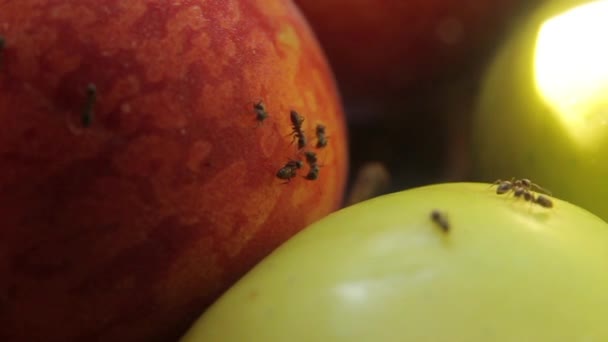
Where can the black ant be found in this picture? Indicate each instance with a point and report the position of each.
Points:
(311, 160)
(87, 113)
(522, 188)
(311, 157)
(321, 138)
(288, 171)
(260, 111)
(505, 186)
(297, 132)
(543, 201)
(313, 173)
(441, 220)
(527, 195)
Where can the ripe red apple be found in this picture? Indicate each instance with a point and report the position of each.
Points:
(126, 210)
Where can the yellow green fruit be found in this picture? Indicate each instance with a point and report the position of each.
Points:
(543, 109)
(382, 270)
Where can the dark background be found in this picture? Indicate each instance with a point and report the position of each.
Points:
(415, 132)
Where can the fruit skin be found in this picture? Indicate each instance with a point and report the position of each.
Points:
(127, 229)
(378, 47)
(516, 134)
(382, 270)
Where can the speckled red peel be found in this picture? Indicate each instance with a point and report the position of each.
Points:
(126, 229)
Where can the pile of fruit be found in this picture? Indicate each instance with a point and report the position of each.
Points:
(291, 170)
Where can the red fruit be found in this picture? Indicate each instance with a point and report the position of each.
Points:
(125, 224)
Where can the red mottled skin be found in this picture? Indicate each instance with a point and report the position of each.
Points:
(381, 45)
(126, 230)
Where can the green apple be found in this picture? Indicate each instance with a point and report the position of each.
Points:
(384, 270)
(543, 110)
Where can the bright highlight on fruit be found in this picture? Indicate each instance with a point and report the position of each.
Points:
(571, 67)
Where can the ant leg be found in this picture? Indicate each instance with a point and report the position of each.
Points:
(538, 187)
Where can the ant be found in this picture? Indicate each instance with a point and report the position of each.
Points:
(311, 157)
(523, 188)
(321, 138)
(313, 173)
(505, 186)
(288, 171)
(441, 220)
(297, 132)
(260, 111)
(527, 195)
(87, 113)
(311, 160)
(543, 201)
